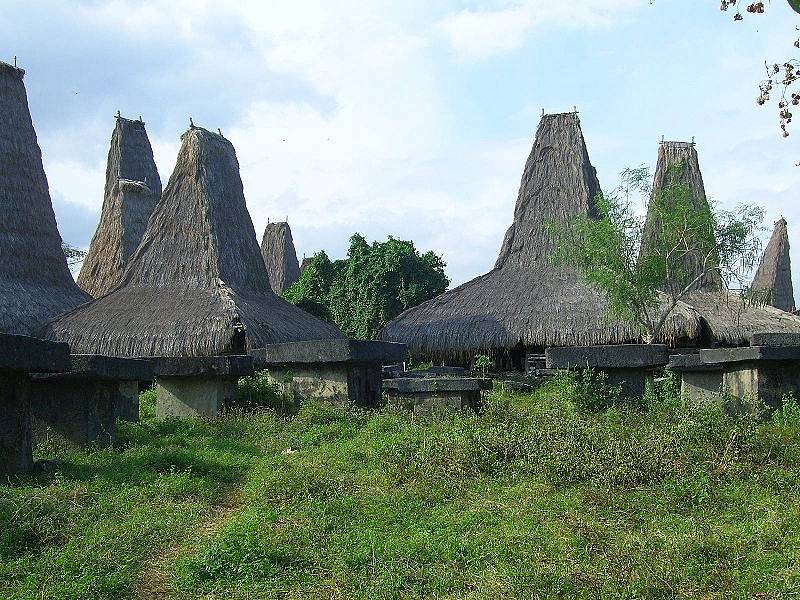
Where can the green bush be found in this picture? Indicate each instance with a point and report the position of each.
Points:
(261, 391)
(147, 404)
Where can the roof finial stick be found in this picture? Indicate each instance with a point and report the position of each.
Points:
(662, 138)
(15, 61)
(287, 219)
(191, 123)
(140, 119)
(692, 140)
(575, 109)
(118, 115)
(220, 130)
(542, 111)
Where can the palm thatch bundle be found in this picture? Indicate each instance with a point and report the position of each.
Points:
(197, 284)
(280, 257)
(526, 299)
(35, 282)
(773, 280)
(133, 188)
(678, 165)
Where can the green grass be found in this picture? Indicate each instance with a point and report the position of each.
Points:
(538, 497)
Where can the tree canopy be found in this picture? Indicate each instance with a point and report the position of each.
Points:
(644, 279)
(374, 284)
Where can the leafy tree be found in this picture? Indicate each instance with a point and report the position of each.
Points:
(311, 291)
(374, 284)
(644, 279)
(74, 255)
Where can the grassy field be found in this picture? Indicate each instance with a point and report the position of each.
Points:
(541, 496)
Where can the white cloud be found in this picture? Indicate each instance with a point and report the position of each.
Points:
(487, 33)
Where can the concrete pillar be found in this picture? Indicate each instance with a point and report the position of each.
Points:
(127, 404)
(193, 396)
(15, 424)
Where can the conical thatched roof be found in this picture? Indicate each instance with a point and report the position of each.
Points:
(196, 285)
(35, 282)
(774, 275)
(133, 188)
(305, 262)
(678, 164)
(280, 257)
(525, 297)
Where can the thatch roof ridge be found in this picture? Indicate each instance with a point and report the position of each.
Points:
(35, 281)
(280, 256)
(132, 190)
(774, 274)
(7, 69)
(197, 284)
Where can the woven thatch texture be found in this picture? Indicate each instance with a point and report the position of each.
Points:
(774, 275)
(678, 164)
(727, 319)
(280, 257)
(196, 285)
(35, 282)
(525, 298)
(133, 188)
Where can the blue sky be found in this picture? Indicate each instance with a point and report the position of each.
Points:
(407, 118)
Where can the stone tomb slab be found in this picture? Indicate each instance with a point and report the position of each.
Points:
(199, 386)
(765, 372)
(19, 356)
(343, 372)
(428, 395)
(80, 407)
(629, 366)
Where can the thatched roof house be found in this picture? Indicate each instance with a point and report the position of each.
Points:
(678, 165)
(280, 257)
(525, 301)
(196, 285)
(35, 282)
(774, 275)
(133, 188)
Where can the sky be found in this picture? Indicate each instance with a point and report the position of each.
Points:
(413, 118)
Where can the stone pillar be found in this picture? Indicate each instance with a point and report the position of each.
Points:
(73, 414)
(186, 397)
(127, 405)
(15, 424)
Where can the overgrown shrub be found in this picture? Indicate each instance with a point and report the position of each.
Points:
(261, 391)
(147, 404)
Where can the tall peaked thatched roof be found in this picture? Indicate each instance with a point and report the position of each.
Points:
(678, 164)
(280, 257)
(525, 298)
(35, 282)
(196, 285)
(774, 275)
(133, 188)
